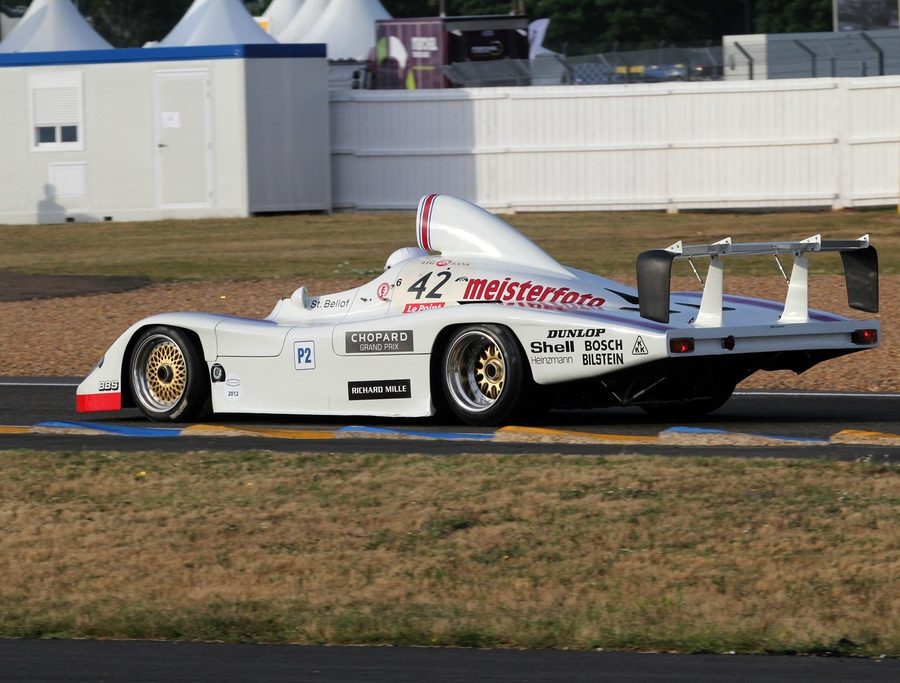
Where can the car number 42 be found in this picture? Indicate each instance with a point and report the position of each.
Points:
(420, 285)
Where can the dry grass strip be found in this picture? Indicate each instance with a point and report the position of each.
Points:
(514, 551)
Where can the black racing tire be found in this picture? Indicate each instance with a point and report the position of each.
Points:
(483, 375)
(690, 409)
(169, 380)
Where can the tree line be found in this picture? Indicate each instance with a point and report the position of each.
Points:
(575, 25)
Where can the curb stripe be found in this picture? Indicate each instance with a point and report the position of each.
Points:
(13, 429)
(272, 433)
(562, 434)
(860, 436)
(674, 435)
(703, 431)
(100, 428)
(383, 431)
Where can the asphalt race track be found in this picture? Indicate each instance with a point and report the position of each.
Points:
(140, 662)
(39, 414)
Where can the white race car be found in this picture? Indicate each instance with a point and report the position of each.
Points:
(479, 320)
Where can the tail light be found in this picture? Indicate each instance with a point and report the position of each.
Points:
(864, 337)
(683, 345)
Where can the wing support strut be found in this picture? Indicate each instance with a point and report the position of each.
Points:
(654, 275)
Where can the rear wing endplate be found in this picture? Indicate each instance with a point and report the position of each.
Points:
(654, 275)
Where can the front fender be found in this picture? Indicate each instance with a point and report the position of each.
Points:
(106, 387)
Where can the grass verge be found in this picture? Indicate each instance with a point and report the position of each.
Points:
(355, 245)
(649, 553)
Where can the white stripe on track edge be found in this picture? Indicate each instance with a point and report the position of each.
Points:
(38, 384)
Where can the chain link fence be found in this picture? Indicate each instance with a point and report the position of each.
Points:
(630, 66)
(852, 54)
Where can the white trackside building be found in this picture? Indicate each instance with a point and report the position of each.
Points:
(179, 132)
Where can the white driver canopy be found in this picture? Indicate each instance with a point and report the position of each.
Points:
(454, 227)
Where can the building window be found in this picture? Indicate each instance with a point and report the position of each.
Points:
(56, 111)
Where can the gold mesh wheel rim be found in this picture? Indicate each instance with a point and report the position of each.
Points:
(166, 373)
(475, 371)
(159, 374)
(490, 371)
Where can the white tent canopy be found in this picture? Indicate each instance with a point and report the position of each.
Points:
(53, 26)
(33, 7)
(348, 28)
(303, 21)
(186, 26)
(216, 22)
(280, 14)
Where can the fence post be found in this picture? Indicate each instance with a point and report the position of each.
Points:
(747, 55)
(878, 51)
(811, 53)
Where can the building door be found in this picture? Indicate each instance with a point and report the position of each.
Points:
(183, 138)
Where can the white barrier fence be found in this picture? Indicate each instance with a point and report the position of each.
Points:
(786, 143)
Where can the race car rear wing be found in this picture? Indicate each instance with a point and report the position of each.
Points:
(654, 275)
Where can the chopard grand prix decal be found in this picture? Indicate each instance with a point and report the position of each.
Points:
(371, 341)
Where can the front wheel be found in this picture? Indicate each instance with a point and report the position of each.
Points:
(168, 376)
(483, 374)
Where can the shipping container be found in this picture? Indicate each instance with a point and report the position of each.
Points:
(412, 53)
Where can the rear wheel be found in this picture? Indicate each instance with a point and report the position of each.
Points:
(483, 374)
(168, 376)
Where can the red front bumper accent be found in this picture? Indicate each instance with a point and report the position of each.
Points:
(92, 403)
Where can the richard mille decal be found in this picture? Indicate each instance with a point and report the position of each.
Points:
(379, 389)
